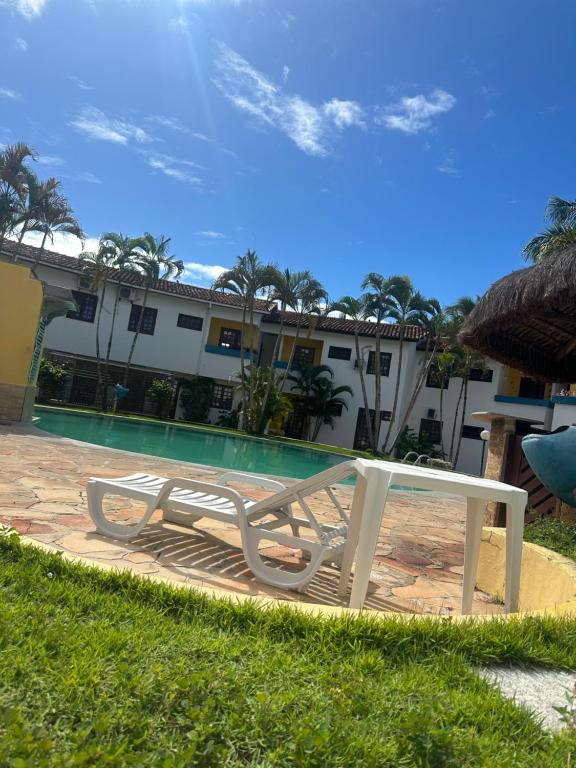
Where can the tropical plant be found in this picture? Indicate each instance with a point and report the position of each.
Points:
(248, 278)
(560, 233)
(407, 307)
(154, 263)
(277, 406)
(433, 325)
(51, 377)
(441, 372)
(410, 442)
(196, 398)
(52, 214)
(323, 400)
(162, 391)
(229, 419)
(377, 302)
(355, 310)
(13, 187)
(124, 254)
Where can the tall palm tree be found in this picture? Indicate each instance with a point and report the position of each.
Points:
(433, 325)
(155, 264)
(287, 289)
(377, 301)
(54, 214)
(311, 299)
(39, 193)
(355, 309)
(407, 307)
(561, 232)
(326, 402)
(310, 381)
(248, 278)
(125, 253)
(99, 267)
(13, 186)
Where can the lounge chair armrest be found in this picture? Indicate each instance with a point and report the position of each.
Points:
(255, 480)
(196, 485)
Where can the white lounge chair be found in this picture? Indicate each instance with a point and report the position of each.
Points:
(184, 502)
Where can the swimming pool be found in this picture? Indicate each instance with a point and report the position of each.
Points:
(194, 444)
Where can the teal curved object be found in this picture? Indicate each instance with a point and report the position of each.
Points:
(552, 456)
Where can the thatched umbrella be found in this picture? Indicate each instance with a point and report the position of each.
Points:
(527, 320)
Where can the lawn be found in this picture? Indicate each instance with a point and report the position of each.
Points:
(106, 669)
(553, 534)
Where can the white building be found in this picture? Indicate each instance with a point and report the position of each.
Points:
(190, 331)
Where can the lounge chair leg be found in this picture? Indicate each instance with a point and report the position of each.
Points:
(95, 494)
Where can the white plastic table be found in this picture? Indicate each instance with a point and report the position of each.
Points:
(368, 507)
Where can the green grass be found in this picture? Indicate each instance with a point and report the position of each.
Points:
(553, 534)
(106, 669)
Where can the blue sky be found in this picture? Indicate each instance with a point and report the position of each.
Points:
(418, 137)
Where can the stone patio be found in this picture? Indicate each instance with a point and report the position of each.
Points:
(418, 566)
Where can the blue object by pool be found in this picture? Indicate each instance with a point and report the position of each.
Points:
(553, 458)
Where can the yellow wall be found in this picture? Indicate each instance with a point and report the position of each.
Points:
(20, 306)
(512, 379)
(288, 343)
(217, 323)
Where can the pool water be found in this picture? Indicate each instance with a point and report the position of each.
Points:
(197, 445)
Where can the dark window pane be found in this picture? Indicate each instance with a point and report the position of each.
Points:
(531, 388)
(361, 434)
(385, 358)
(471, 432)
(435, 380)
(303, 356)
(191, 322)
(340, 353)
(336, 409)
(481, 374)
(432, 430)
(148, 321)
(87, 303)
(222, 396)
(230, 338)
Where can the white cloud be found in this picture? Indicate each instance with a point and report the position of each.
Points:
(94, 124)
(413, 114)
(182, 170)
(8, 93)
(64, 243)
(344, 113)
(79, 82)
(448, 165)
(21, 44)
(285, 74)
(210, 234)
(51, 160)
(86, 176)
(202, 273)
(168, 122)
(28, 8)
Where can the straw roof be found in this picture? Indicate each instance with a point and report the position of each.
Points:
(527, 320)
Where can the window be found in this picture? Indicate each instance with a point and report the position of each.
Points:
(303, 356)
(230, 338)
(471, 432)
(86, 311)
(190, 321)
(361, 434)
(481, 374)
(148, 321)
(434, 380)
(531, 388)
(340, 353)
(385, 358)
(431, 429)
(336, 409)
(222, 397)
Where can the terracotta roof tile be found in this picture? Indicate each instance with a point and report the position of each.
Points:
(344, 326)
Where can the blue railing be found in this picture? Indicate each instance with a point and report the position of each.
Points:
(542, 403)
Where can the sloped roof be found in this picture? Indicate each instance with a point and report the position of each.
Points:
(184, 290)
(347, 327)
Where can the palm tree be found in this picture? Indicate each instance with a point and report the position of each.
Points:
(443, 365)
(38, 196)
(124, 253)
(561, 232)
(54, 214)
(311, 380)
(248, 278)
(406, 307)
(355, 309)
(377, 301)
(326, 403)
(13, 186)
(155, 264)
(311, 298)
(433, 324)
(99, 266)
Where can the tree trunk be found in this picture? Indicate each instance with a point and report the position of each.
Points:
(442, 419)
(262, 424)
(20, 237)
(317, 427)
(39, 254)
(292, 351)
(243, 368)
(461, 422)
(104, 402)
(378, 382)
(98, 359)
(417, 389)
(251, 380)
(136, 335)
(369, 425)
(397, 389)
(453, 436)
